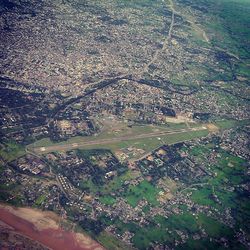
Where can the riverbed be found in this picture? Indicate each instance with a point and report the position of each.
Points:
(43, 227)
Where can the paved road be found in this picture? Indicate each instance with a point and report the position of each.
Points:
(67, 146)
(165, 43)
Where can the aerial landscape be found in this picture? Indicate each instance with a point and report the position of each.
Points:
(125, 124)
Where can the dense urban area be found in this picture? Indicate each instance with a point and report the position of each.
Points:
(128, 119)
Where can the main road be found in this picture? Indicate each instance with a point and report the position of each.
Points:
(165, 42)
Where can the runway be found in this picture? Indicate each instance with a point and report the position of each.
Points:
(86, 142)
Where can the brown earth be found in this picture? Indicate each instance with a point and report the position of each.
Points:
(212, 128)
(43, 227)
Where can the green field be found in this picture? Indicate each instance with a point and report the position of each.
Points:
(109, 186)
(107, 200)
(227, 124)
(214, 229)
(185, 222)
(202, 196)
(157, 230)
(40, 200)
(144, 190)
(229, 171)
(11, 150)
(110, 242)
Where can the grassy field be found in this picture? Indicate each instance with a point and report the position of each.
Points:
(11, 150)
(110, 186)
(220, 190)
(144, 190)
(107, 200)
(156, 232)
(210, 245)
(110, 242)
(214, 229)
(40, 200)
(229, 25)
(144, 236)
(228, 171)
(185, 222)
(202, 196)
(227, 124)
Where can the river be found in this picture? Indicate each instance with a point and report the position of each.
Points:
(53, 237)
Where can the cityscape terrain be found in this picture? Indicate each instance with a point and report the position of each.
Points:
(124, 121)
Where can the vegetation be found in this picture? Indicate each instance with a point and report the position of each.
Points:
(9, 151)
(144, 190)
(107, 199)
(110, 242)
(40, 200)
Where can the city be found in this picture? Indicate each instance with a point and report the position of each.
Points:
(125, 124)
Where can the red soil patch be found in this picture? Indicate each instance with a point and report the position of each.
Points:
(56, 239)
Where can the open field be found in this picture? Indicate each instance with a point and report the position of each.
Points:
(11, 151)
(110, 242)
(227, 124)
(144, 190)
